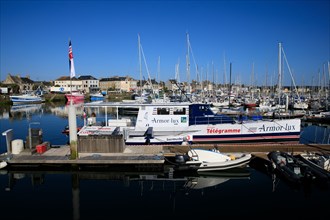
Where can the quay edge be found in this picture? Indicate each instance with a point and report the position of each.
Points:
(154, 159)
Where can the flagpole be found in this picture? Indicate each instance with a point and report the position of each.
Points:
(71, 90)
(70, 63)
(72, 111)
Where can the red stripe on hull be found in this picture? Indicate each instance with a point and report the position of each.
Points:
(247, 138)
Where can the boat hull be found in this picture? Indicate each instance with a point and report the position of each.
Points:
(311, 160)
(225, 165)
(202, 160)
(96, 98)
(213, 160)
(185, 123)
(75, 98)
(261, 132)
(289, 167)
(3, 164)
(23, 99)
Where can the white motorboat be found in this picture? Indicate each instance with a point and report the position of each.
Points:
(212, 160)
(215, 160)
(3, 164)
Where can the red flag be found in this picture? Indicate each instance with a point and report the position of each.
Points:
(71, 65)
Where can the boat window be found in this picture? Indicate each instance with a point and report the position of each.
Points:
(203, 108)
(163, 111)
(179, 111)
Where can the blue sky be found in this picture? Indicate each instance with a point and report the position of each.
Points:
(104, 35)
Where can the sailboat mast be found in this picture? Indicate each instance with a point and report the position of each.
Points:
(140, 65)
(229, 93)
(252, 82)
(158, 69)
(188, 63)
(224, 72)
(279, 68)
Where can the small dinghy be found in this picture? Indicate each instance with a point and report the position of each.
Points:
(212, 160)
(318, 163)
(290, 167)
(3, 164)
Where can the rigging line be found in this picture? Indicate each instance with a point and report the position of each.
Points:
(242, 124)
(281, 125)
(294, 83)
(192, 54)
(145, 63)
(300, 133)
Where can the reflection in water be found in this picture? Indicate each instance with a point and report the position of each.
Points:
(102, 194)
(22, 111)
(187, 181)
(141, 184)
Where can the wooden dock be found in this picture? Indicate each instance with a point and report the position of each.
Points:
(60, 157)
(144, 156)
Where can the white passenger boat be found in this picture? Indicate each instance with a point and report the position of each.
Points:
(178, 123)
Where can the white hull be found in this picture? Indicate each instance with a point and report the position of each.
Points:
(214, 160)
(205, 166)
(25, 99)
(248, 132)
(3, 164)
(177, 123)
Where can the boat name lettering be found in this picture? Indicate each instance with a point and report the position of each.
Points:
(222, 131)
(287, 127)
(171, 120)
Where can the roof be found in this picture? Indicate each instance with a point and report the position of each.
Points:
(18, 80)
(116, 78)
(87, 77)
(65, 78)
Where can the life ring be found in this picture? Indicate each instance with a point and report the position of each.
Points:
(188, 138)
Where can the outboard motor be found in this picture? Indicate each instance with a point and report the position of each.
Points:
(181, 158)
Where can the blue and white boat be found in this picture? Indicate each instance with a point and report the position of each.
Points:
(96, 97)
(26, 98)
(179, 123)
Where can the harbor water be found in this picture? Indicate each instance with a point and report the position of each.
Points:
(105, 194)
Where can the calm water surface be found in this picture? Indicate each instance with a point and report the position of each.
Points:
(252, 193)
(77, 195)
